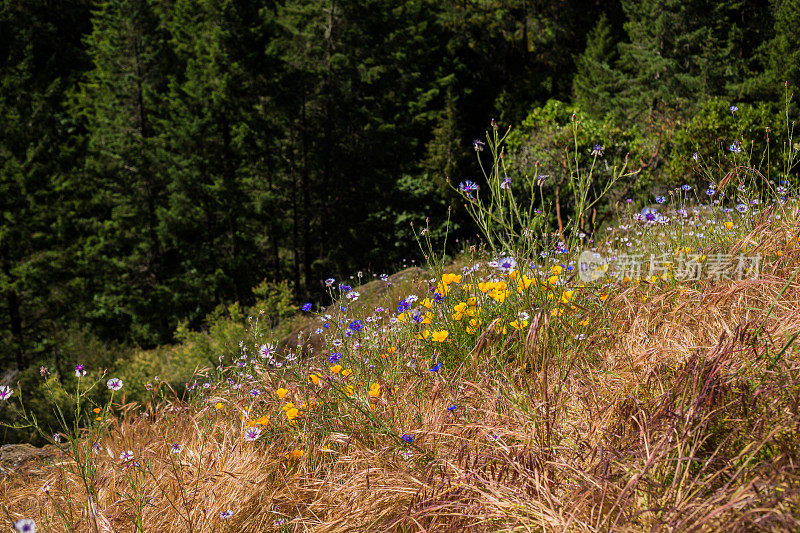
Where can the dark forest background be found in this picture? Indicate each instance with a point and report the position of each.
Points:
(159, 158)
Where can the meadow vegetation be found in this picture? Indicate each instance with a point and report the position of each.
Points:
(518, 387)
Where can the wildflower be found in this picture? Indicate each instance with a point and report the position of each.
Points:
(661, 199)
(126, 456)
(353, 296)
(477, 144)
(292, 413)
(281, 393)
(506, 264)
(294, 454)
(25, 525)
(695, 156)
(79, 371)
(262, 420)
(710, 191)
(175, 448)
(686, 187)
(336, 369)
(252, 434)
(306, 307)
(728, 224)
(218, 406)
(5, 392)
(734, 109)
(467, 187)
(736, 147)
(344, 288)
(742, 208)
(506, 183)
(408, 438)
(439, 336)
(597, 151)
(314, 378)
(226, 514)
(348, 390)
(329, 282)
(265, 350)
(447, 279)
(114, 384)
(374, 390)
(347, 372)
(451, 408)
(435, 368)
(356, 325)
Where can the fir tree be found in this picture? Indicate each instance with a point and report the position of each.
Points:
(596, 82)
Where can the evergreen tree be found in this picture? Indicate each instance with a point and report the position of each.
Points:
(40, 55)
(120, 103)
(674, 56)
(596, 81)
(782, 53)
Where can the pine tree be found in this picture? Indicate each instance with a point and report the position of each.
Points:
(596, 81)
(119, 104)
(39, 61)
(673, 58)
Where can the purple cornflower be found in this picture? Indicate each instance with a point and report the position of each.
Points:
(435, 368)
(5, 392)
(329, 282)
(356, 325)
(79, 370)
(114, 384)
(334, 358)
(506, 183)
(126, 456)
(478, 145)
(597, 151)
(686, 187)
(451, 408)
(408, 438)
(175, 448)
(306, 307)
(710, 191)
(661, 199)
(252, 433)
(734, 109)
(467, 187)
(25, 525)
(742, 208)
(344, 288)
(736, 147)
(226, 514)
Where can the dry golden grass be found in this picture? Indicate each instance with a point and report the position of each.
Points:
(689, 421)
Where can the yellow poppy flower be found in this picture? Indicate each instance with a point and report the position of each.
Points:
(374, 389)
(218, 406)
(440, 336)
(281, 393)
(347, 372)
(314, 378)
(262, 420)
(447, 279)
(336, 369)
(294, 454)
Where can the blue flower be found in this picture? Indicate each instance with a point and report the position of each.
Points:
(408, 438)
(686, 187)
(506, 183)
(435, 368)
(334, 357)
(344, 288)
(734, 109)
(467, 187)
(710, 191)
(661, 199)
(306, 307)
(451, 408)
(437, 297)
(597, 150)
(417, 318)
(477, 144)
(329, 282)
(356, 325)
(402, 306)
(736, 147)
